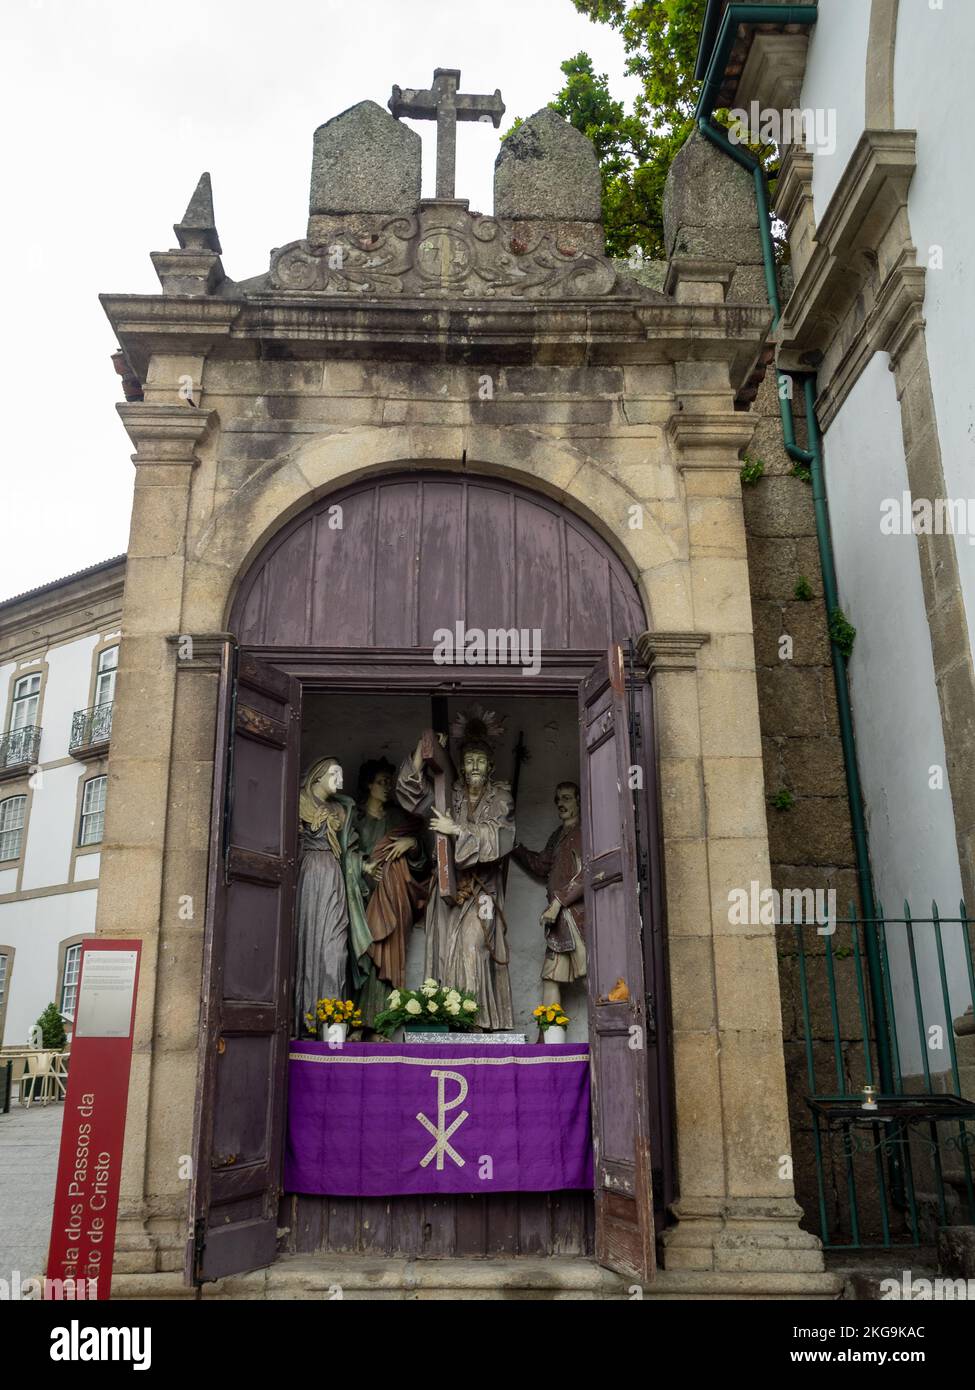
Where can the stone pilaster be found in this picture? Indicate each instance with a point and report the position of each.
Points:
(736, 1209)
(130, 899)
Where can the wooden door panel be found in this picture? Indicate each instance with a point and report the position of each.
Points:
(258, 820)
(245, 1025)
(618, 1029)
(251, 961)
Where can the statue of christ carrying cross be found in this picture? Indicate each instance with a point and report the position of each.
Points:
(466, 939)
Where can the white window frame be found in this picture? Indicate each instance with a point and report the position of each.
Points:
(28, 700)
(92, 816)
(7, 954)
(7, 814)
(70, 976)
(105, 676)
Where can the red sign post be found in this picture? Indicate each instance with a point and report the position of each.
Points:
(79, 1262)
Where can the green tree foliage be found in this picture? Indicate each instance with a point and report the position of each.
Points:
(660, 38)
(635, 151)
(52, 1028)
(632, 174)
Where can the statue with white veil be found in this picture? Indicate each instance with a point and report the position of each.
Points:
(333, 939)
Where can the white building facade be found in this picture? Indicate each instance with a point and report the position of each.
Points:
(58, 656)
(879, 215)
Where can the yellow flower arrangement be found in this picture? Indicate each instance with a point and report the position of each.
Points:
(334, 1011)
(549, 1015)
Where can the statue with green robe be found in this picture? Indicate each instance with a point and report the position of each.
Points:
(333, 940)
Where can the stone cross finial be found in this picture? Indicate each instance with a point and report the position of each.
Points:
(444, 104)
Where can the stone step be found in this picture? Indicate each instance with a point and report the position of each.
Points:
(361, 1277)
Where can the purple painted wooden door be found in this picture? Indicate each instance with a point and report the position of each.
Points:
(618, 1030)
(385, 563)
(245, 1024)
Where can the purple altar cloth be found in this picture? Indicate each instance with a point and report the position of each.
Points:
(385, 1119)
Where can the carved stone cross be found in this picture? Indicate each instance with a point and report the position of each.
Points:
(444, 104)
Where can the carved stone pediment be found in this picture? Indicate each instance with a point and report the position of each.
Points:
(443, 252)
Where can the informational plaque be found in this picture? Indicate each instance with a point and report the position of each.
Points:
(105, 994)
(80, 1256)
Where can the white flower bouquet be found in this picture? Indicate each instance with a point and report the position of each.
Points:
(432, 1005)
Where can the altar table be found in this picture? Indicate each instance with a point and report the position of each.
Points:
(391, 1119)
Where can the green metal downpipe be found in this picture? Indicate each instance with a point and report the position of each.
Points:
(854, 791)
(811, 458)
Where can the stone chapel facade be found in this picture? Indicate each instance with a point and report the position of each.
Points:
(406, 343)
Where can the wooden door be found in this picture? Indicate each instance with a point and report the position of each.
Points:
(618, 1029)
(246, 1017)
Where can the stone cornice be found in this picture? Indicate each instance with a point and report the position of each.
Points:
(773, 71)
(871, 193)
(698, 270)
(670, 651)
(207, 647)
(31, 625)
(189, 271)
(897, 314)
(577, 333)
(710, 440)
(165, 434)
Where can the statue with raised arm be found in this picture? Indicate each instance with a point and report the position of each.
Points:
(466, 938)
(559, 866)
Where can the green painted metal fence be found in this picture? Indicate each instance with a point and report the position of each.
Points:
(892, 1165)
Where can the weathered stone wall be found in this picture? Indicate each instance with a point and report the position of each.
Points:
(811, 842)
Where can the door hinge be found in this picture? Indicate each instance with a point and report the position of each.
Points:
(636, 732)
(199, 1246)
(651, 1019)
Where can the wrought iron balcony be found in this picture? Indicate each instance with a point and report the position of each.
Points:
(91, 730)
(19, 749)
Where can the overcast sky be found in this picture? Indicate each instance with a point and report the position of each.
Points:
(111, 109)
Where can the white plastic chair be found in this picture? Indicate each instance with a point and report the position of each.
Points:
(43, 1084)
(60, 1073)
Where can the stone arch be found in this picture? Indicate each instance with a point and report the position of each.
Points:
(277, 492)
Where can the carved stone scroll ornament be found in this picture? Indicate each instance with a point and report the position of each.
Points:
(445, 252)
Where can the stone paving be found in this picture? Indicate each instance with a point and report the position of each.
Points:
(28, 1166)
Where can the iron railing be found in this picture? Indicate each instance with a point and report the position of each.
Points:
(891, 1166)
(20, 747)
(91, 726)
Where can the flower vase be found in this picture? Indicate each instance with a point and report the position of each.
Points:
(336, 1032)
(554, 1033)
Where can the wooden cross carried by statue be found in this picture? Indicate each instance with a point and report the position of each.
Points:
(444, 104)
(443, 774)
